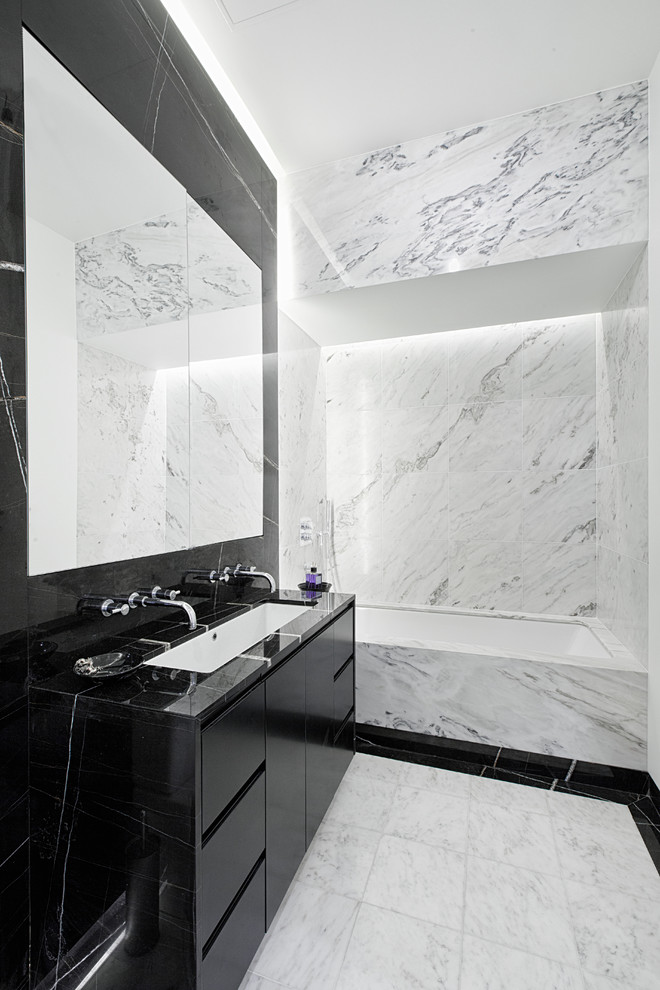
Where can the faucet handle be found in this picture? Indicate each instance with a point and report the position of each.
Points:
(158, 592)
(103, 604)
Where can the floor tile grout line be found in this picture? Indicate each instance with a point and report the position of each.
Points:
(564, 888)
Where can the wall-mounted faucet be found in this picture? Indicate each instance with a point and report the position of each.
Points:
(211, 575)
(104, 604)
(240, 571)
(146, 599)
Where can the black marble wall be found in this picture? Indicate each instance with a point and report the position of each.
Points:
(131, 57)
(13, 581)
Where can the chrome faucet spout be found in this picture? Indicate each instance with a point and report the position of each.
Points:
(174, 603)
(240, 571)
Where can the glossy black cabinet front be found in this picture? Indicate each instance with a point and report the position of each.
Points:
(285, 782)
(183, 822)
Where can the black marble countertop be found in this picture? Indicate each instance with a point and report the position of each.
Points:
(162, 689)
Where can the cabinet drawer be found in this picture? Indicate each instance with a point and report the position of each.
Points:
(344, 693)
(232, 749)
(228, 958)
(230, 853)
(344, 641)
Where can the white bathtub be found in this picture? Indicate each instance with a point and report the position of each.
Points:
(542, 684)
(560, 639)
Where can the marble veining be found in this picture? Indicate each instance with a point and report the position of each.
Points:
(586, 713)
(561, 178)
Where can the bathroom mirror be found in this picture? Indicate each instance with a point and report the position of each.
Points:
(144, 345)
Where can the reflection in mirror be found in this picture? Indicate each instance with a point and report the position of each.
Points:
(119, 261)
(226, 404)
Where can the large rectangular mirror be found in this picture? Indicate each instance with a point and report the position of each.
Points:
(144, 345)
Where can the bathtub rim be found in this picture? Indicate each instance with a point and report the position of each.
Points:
(620, 658)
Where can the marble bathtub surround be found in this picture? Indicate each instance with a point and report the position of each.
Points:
(584, 713)
(463, 462)
(622, 470)
(505, 190)
(504, 912)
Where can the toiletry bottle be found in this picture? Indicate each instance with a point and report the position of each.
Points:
(315, 577)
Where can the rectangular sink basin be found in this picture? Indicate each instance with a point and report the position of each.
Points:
(218, 646)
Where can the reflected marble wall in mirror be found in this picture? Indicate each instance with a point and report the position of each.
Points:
(144, 345)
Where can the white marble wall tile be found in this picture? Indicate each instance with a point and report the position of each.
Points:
(559, 433)
(354, 443)
(623, 600)
(177, 494)
(358, 503)
(353, 379)
(559, 578)
(485, 436)
(415, 371)
(485, 364)
(415, 506)
(559, 506)
(519, 187)
(485, 575)
(622, 411)
(559, 358)
(388, 951)
(356, 566)
(487, 966)
(220, 275)
(623, 508)
(518, 908)
(485, 506)
(589, 714)
(617, 935)
(415, 571)
(622, 337)
(415, 439)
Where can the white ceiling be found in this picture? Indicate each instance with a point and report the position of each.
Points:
(325, 80)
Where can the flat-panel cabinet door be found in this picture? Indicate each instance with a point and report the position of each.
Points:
(320, 775)
(285, 778)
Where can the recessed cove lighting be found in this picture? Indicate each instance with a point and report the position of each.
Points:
(238, 11)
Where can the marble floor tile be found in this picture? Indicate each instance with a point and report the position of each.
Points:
(519, 908)
(511, 796)
(253, 981)
(606, 858)
(365, 803)
(487, 966)
(617, 936)
(376, 768)
(432, 779)
(594, 982)
(308, 939)
(388, 951)
(425, 816)
(590, 812)
(340, 859)
(421, 881)
(519, 839)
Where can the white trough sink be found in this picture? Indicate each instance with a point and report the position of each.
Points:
(218, 646)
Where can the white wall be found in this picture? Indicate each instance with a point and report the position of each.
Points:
(52, 409)
(654, 425)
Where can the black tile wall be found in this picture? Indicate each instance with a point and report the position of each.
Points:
(131, 57)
